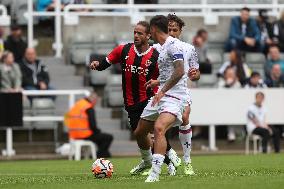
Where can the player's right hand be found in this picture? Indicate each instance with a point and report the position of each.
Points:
(94, 65)
(152, 83)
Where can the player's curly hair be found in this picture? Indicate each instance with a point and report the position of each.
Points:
(175, 18)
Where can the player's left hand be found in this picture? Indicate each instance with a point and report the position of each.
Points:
(152, 83)
(157, 98)
(193, 74)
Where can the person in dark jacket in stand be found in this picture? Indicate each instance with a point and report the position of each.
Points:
(15, 43)
(35, 74)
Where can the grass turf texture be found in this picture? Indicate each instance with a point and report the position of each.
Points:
(230, 171)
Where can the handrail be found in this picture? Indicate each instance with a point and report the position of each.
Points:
(132, 10)
(70, 93)
(3, 9)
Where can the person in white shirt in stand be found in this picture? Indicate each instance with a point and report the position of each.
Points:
(256, 124)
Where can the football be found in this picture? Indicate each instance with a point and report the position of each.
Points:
(102, 168)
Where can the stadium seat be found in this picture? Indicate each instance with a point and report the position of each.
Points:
(255, 58)
(81, 47)
(113, 96)
(104, 43)
(124, 37)
(215, 56)
(226, 57)
(99, 78)
(207, 81)
(187, 37)
(256, 143)
(76, 148)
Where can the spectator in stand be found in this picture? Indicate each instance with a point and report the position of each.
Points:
(276, 78)
(10, 74)
(199, 42)
(278, 32)
(35, 74)
(256, 124)
(244, 34)
(82, 124)
(255, 81)
(48, 5)
(266, 30)
(1, 41)
(236, 62)
(230, 81)
(273, 58)
(15, 43)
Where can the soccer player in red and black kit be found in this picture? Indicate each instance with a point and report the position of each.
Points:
(139, 64)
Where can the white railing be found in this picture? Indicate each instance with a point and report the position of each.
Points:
(5, 19)
(136, 12)
(71, 101)
(9, 151)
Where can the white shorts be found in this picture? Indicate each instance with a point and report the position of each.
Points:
(168, 104)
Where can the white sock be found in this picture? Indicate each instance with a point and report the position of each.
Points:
(146, 155)
(185, 135)
(157, 163)
(171, 152)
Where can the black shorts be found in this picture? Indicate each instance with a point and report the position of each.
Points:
(134, 114)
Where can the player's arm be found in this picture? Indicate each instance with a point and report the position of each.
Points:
(194, 73)
(175, 77)
(252, 117)
(113, 58)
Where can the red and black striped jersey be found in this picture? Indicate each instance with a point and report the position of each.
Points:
(137, 69)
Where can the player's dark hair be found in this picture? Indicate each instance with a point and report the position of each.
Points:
(259, 93)
(255, 74)
(200, 32)
(146, 25)
(245, 9)
(161, 22)
(176, 19)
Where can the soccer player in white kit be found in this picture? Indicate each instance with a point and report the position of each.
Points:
(166, 107)
(191, 67)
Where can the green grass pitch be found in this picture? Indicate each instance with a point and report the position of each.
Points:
(212, 171)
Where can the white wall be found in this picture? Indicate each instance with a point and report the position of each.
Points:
(229, 107)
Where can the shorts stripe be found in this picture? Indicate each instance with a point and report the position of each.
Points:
(172, 96)
(185, 131)
(169, 113)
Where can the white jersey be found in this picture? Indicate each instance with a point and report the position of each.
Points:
(169, 52)
(190, 61)
(257, 113)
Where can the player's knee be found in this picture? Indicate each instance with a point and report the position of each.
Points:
(159, 130)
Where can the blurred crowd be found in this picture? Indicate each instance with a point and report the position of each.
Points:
(247, 34)
(20, 67)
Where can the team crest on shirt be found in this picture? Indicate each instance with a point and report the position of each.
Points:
(148, 63)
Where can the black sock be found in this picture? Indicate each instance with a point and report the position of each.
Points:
(167, 160)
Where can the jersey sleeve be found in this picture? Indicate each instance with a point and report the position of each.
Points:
(115, 56)
(250, 114)
(193, 59)
(176, 51)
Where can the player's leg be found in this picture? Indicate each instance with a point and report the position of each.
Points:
(144, 144)
(171, 154)
(162, 124)
(185, 135)
(143, 129)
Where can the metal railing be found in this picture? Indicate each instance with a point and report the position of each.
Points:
(9, 151)
(4, 18)
(136, 12)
